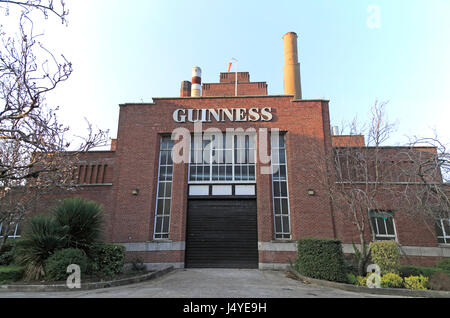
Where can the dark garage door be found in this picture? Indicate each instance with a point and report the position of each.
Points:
(222, 234)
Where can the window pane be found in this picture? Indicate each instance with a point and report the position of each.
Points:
(168, 189)
(163, 158)
(381, 228)
(276, 189)
(169, 158)
(284, 206)
(162, 173)
(169, 173)
(162, 190)
(167, 206)
(439, 229)
(159, 210)
(251, 171)
(18, 230)
(278, 224)
(165, 228)
(158, 224)
(277, 206)
(282, 172)
(446, 227)
(282, 157)
(390, 226)
(374, 225)
(284, 189)
(286, 224)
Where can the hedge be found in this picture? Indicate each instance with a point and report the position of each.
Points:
(11, 273)
(444, 264)
(411, 270)
(321, 259)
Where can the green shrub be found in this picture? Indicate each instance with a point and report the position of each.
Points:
(416, 282)
(41, 238)
(391, 280)
(386, 254)
(137, 264)
(11, 273)
(410, 270)
(440, 281)
(7, 252)
(56, 265)
(444, 264)
(107, 260)
(321, 259)
(351, 265)
(83, 220)
(362, 280)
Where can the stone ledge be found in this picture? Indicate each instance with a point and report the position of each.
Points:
(374, 291)
(86, 286)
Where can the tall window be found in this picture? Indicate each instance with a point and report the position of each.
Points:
(443, 231)
(164, 194)
(280, 188)
(383, 225)
(14, 231)
(222, 158)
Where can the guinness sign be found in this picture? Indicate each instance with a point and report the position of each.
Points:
(222, 115)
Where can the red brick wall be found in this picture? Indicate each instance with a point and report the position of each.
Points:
(229, 89)
(137, 163)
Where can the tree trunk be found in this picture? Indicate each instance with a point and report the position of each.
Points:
(363, 256)
(4, 238)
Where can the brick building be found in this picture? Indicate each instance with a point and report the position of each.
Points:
(227, 205)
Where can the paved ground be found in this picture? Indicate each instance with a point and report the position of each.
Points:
(207, 283)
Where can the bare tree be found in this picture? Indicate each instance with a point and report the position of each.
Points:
(367, 177)
(46, 7)
(427, 176)
(34, 156)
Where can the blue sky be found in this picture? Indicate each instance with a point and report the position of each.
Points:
(131, 51)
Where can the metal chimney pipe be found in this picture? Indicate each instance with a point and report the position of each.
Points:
(196, 90)
(292, 83)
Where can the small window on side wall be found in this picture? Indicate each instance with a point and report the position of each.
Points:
(443, 231)
(383, 225)
(14, 231)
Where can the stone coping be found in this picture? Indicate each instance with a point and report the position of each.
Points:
(86, 286)
(375, 291)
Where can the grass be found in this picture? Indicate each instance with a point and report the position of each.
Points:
(10, 273)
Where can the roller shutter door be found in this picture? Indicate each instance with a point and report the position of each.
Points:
(222, 234)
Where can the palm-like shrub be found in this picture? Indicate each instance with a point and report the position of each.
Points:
(83, 220)
(42, 237)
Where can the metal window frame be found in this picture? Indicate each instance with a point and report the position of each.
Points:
(394, 236)
(233, 164)
(281, 197)
(155, 232)
(445, 236)
(13, 236)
